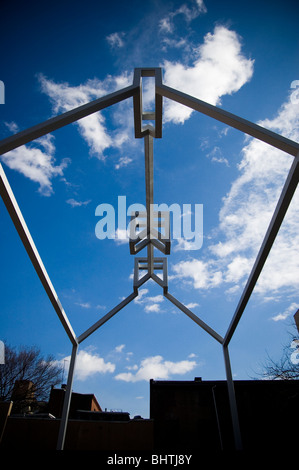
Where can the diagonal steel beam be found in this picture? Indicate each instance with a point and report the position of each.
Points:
(25, 236)
(66, 118)
(274, 226)
(107, 317)
(230, 119)
(193, 317)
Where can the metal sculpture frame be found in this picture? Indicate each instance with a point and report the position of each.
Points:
(149, 263)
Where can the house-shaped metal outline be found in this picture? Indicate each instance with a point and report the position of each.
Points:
(148, 132)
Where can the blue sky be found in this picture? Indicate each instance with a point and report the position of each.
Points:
(241, 56)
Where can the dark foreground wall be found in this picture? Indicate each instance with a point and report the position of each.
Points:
(196, 414)
(41, 434)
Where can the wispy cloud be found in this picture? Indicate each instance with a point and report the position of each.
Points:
(189, 13)
(156, 367)
(88, 305)
(216, 156)
(123, 161)
(245, 215)
(74, 203)
(120, 348)
(83, 304)
(116, 40)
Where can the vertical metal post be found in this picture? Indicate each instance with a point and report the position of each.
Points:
(149, 187)
(67, 400)
(232, 401)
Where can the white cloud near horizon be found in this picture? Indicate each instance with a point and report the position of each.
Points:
(244, 218)
(156, 367)
(88, 364)
(219, 68)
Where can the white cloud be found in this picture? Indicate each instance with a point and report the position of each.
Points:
(218, 69)
(121, 236)
(184, 245)
(120, 348)
(123, 161)
(88, 364)
(192, 305)
(74, 203)
(244, 218)
(92, 128)
(201, 6)
(203, 275)
(151, 303)
(12, 126)
(192, 355)
(83, 304)
(166, 24)
(141, 294)
(291, 310)
(156, 367)
(152, 308)
(216, 156)
(36, 161)
(116, 40)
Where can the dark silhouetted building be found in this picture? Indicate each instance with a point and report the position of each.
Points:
(196, 414)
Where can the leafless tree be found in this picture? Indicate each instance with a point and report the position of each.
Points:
(287, 366)
(27, 365)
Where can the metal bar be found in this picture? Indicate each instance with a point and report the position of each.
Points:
(23, 231)
(217, 417)
(106, 317)
(194, 317)
(66, 118)
(137, 104)
(232, 400)
(276, 221)
(139, 115)
(158, 104)
(230, 119)
(149, 191)
(67, 400)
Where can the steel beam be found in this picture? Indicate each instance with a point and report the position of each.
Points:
(106, 317)
(23, 137)
(149, 195)
(67, 400)
(230, 119)
(274, 226)
(232, 400)
(193, 317)
(25, 236)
